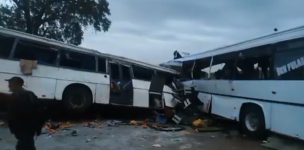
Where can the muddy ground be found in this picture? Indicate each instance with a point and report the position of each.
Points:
(126, 137)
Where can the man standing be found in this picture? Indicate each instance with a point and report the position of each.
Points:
(23, 120)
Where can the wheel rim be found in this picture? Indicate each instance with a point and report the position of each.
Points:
(77, 100)
(252, 122)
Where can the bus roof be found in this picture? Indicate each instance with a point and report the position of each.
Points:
(59, 44)
(290, 34)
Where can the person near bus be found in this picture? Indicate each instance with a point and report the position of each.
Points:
(23, 120)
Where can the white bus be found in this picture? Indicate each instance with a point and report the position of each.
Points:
(258, 83)
(80, 77)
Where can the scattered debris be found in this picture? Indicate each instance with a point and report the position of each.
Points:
(265, 141)
(186, 133)
(200, 123)
(87, 140)
(156, 145)
(55, 126)
(92, 124)
(133, 122)
(1, 123)
(161, 119)
(74, 133)
(165, 127)
(145, 125)
(186, 146)
(52, 127)
(209, 129)
(176, 139)
(113, 123)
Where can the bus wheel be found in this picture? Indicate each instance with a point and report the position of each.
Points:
(77, 98)
(252, 121)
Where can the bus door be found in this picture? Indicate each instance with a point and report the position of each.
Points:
(156, 92)
(121, 88)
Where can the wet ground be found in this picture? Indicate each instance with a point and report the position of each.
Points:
(126, 137)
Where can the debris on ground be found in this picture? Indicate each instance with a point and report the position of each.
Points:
(165, 127)
(209, 129)
(93, 124)
(161, 119)
(90, 139)
(136, 123)
(112, 123)
(145, 125)
(52, 127)
(74, 133)
(176, 139)
(200, 123)
(186, 133)
(56, 126)
(133, 122)
(156, 145)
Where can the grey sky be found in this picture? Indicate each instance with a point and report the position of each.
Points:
(150, 30)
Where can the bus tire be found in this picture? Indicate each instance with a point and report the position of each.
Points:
(77, 98)
(252, 121)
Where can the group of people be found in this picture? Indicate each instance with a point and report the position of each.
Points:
(25, 115)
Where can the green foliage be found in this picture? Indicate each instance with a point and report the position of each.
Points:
(62, 20)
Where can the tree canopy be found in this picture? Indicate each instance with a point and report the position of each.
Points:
(62, 20)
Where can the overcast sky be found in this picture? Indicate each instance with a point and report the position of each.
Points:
(150, 30)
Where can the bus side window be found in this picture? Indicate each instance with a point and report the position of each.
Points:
(77, 61)
(289, 64)
(114, 71)
(34, 51)
(125, 72)
(6, 45)
(102, 65)
(142, 73)
(253, 64)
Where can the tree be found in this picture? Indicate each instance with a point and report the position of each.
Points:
(62, 20)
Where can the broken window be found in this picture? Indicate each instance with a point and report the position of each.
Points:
(76, 60)
(102, 65)
(6, 45)
(142, 73)
(201, 68)
(223, 67)
(254, 64)
(114, 71)
(125, 72)
(44, 54)
(168, 77)
(289, 61)
(186, 73)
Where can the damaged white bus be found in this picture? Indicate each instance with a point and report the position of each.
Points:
(80, 77)
(258, 82)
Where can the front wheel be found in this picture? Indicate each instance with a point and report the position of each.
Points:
(252, 122)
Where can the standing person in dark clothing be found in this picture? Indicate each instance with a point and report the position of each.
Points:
(23, 120)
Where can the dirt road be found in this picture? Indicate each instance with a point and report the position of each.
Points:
(126, 137)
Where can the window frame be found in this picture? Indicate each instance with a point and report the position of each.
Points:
(81, 53)
(29, 42)
(106, 63)
(13, 45)
(129, 68)
(110, 69)
(136, 65)
(276, 77)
